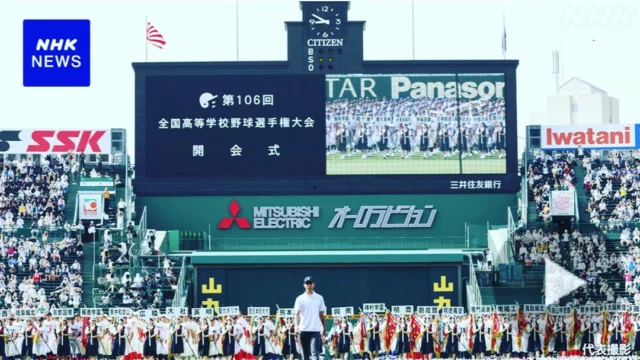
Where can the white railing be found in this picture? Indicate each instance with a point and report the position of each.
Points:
(179, 298)
(511, 232)
(524, 198)
(75, 214)
(576, 210)
(128, 190)
(474, 297)
(142, 233)
(466, 235)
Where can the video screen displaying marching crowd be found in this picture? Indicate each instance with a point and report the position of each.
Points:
(415, 124)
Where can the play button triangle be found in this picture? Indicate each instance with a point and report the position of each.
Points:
(558, 282)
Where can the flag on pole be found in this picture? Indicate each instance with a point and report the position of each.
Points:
(154, 37)
(504, 37)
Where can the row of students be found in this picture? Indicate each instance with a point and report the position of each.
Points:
(463, 337)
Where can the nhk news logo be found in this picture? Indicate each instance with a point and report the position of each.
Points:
(56, 53)
(605, 16)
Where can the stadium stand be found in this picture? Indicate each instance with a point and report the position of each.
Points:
(40, 255)
(127, 276)
(601, 249)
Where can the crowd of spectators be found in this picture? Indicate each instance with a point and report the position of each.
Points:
(534, 246)
(612, 182)
(626, 264)
(547, 172)
(118, 285)
(39, 252)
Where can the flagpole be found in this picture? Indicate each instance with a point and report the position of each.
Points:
(504, 40)
(413, 29)
(562, 62)
(146, 41)
(237, 31)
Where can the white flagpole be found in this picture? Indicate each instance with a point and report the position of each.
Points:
(146, 41)
(413, 29)
(237, 31)
(504, 37)
(562, 62)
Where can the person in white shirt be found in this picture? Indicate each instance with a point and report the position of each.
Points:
(76, 336)
(310, 312)
(121, 205)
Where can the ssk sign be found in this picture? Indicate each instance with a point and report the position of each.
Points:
(618, 136)
(55, 141)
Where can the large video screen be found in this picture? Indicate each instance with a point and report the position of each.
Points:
(411, 124)
(304, 133)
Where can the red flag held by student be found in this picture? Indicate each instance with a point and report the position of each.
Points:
(470, 333)
(522, 324)
(495, 329)
(604, 340)
(363, 334)
(628, 326)
(416, 329)
(389, 331)
(437, 345)
(85, 325)
(548, 332)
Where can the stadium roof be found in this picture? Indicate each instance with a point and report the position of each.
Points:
(326, 257)
(584, 82)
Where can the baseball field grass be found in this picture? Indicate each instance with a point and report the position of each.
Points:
(415, 165)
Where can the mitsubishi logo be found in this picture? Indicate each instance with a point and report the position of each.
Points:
(234, 209)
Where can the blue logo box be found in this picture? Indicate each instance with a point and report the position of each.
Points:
(56, 53)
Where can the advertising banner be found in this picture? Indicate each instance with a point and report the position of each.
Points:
(611, 136)
(431, 285)
(90, 206)
(43, 141)
(361, 216)
(563, 203)
(416, 86)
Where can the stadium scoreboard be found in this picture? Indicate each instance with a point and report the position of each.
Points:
(356, 127)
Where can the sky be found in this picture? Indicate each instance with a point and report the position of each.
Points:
(599, 42)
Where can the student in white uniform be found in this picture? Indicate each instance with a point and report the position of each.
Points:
(462, 332)
(162, 344)
(333, 339)
(273, 346)
(191, 343)
(49, 333)
(215, 349)
(76, 336)
(104, 335)
(40, 345)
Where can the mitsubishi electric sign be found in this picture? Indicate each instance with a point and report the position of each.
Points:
(284, 217)
(304, 217)
(403, 217)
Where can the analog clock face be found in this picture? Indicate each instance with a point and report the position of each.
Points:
(325, 21)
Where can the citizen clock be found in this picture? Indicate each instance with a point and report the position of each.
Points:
(325, 20)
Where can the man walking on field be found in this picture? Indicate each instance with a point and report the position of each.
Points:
(310, 311)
